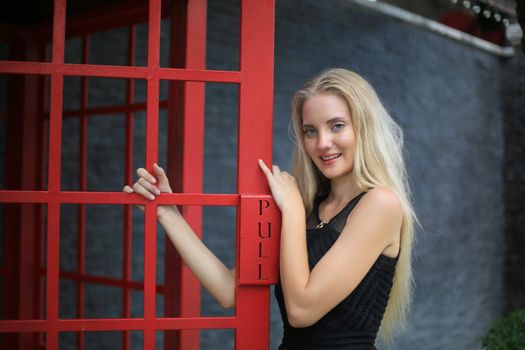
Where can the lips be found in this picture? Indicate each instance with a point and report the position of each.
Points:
(328, 159)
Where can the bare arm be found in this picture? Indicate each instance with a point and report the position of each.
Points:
(373, 225)
(209, 270)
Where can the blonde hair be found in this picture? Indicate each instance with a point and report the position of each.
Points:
(378, 161)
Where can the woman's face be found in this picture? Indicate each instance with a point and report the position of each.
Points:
(328, 134)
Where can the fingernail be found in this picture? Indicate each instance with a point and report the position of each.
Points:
(153, 180)
(152, 197)
(157, 191)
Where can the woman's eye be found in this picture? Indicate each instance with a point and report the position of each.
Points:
(337, 126)
(309, 132)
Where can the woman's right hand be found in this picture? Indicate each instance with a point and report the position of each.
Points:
(150, 187)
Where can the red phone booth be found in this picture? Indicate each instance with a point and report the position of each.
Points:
(32, 196)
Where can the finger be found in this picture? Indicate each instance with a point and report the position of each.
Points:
(161, 174)
(141, 172)
(148, 186)
(128, 189)
(265, 169)
(142, 191)
(276, 170)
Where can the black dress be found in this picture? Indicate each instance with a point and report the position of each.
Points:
(354, 322)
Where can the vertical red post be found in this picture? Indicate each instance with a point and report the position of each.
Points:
(128, 178)
(255, 141)
(22, 173)
(82, 181)
(54, 171)
(152, 132)
(42, 125)
(185, 158)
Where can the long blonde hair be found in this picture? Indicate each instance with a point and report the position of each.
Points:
(378, 161)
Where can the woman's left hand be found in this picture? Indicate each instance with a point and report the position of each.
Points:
(284, 188)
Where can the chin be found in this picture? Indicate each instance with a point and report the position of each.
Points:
(332, 174)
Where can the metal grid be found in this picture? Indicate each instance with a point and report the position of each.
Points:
(255, 80)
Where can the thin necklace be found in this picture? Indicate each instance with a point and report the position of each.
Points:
(322, 222)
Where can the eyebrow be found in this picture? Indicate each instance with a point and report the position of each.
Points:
(330, 121)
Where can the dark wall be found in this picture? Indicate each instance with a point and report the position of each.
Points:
(513, 90)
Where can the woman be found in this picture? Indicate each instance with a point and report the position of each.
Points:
(347, 222)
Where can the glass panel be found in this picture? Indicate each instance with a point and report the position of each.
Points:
(212, 339)
(102, 301)
(73, 50)
(109, 47)
(220, 138)
(106, 152)
(222, 36)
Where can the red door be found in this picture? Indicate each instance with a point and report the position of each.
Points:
(31, 271)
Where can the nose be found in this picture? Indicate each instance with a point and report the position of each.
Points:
(324, 141)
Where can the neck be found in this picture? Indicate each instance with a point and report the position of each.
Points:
(343, 189)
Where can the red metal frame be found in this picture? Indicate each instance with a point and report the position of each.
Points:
(185, 118)
(128, 178)
(256, 251)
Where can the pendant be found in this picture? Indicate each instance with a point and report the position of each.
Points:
(319, 225)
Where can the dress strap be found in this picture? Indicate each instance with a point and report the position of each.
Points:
(338, 221)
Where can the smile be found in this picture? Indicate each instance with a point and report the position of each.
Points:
(331, 157)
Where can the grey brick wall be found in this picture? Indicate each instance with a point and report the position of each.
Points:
(451, 101)
(514, 191)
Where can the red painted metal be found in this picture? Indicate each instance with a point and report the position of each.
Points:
(71, 197)
(185, 107)
(259, 238)
(52, 282)
(119, 324)
(43, 137)
(150, 217)
(82, 180)
(21, 242)
(255, 120)
(128, 108)
(54, 172)
(106, 281)
(70, 69)
(128, 178)
(185, 158)
(175, 113)
(41, 212)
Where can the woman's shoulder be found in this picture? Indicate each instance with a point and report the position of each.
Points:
(378, 217)
(382, 200)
